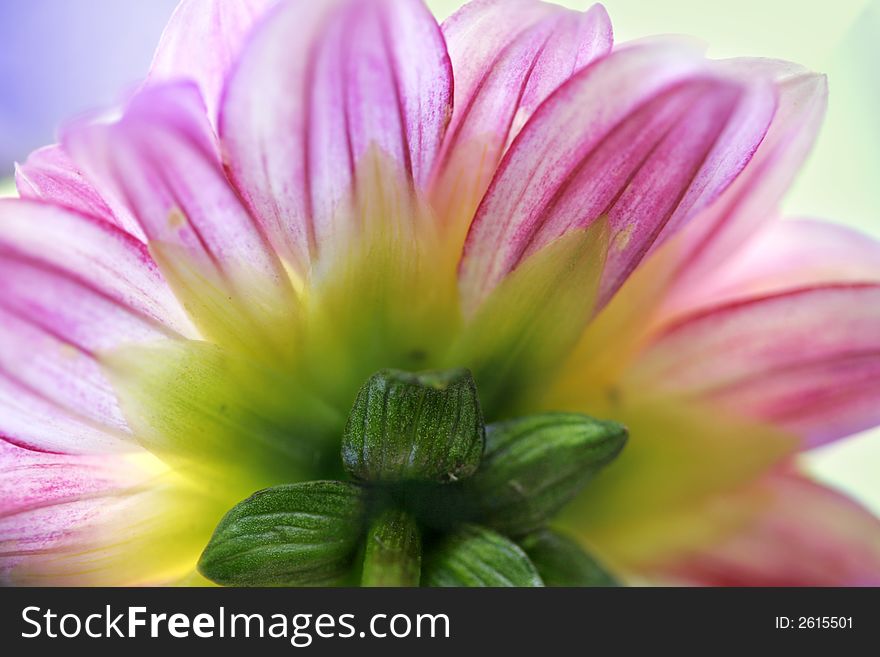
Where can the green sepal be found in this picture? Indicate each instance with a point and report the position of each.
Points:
(562, 562)
(414, 427)
(393, 554)
(534, 465)
(476, 556)
(293, 535)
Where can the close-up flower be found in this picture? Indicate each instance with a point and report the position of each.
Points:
(508, 299)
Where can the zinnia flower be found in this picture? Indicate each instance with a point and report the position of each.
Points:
(307, 192)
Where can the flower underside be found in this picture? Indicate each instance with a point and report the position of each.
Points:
(264, 401)
(306, 194)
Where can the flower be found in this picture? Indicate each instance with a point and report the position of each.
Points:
(194, 294)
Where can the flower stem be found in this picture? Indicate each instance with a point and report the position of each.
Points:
(393, 555)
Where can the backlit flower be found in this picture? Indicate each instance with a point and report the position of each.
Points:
(305, 193)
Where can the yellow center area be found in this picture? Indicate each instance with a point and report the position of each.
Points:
(263, 398)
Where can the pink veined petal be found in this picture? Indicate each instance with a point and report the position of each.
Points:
(94, 254)
(648, 137)
(319, 86)
(50, 175)
(73, 286)
(34, 479)
(202, 41)
(94, 520)
(804, 534)
(807, 360)
(161, 163)
(507, 57)
(47, 500)
(33, 421)
(753, 198)
(784, 254)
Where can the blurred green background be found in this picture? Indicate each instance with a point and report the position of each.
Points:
(840, 181)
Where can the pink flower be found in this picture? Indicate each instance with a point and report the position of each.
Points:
(304, 194)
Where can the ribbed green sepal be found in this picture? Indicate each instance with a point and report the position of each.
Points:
(414, 427)
(393, 553)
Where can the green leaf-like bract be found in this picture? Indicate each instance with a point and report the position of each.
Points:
(293, 535)
(393, 553)
(476, 556)
(535, 465)
(414, 427)
(562, 562)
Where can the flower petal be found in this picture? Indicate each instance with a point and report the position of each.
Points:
(507, 57)
(807, 360)
(202, 41)
(649, 504)
(62, 302)
(102, 259)
(161, 164)
(89, 520)
(516, 340)
(33, 421)
(784, 254)
(50, 175)
(214, 414)
(752, 200)
(318, 87)
(665, 133)
(799, 533)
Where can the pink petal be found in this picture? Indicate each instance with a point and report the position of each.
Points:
(92, 253)
(649, 136)
(319, 86)
(807, 360)
(804, 535)
(49, 174)
(62, 302)
(752, 200)
(47, 502)
(507, 57)
(33, 421)
(784, 254)
(202, 42)
(161, 164)
(91, 520)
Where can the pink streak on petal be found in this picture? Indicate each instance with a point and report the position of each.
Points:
(96, 254)
(61, 515)
(804, 535)
(753, 198)
(202, 42)
(784, 254)
(45, 497)
(50, 175)
(317, 86)
(160, 162)
(665, 134)
(73, 286)
(33, 421)
(807, 360)
(507, 58)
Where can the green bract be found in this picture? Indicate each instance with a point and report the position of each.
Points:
(535, 465)
(404, 426)
(295, 535)
(393, 553)
(415, 443)
(476, 556)
(562, 562)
